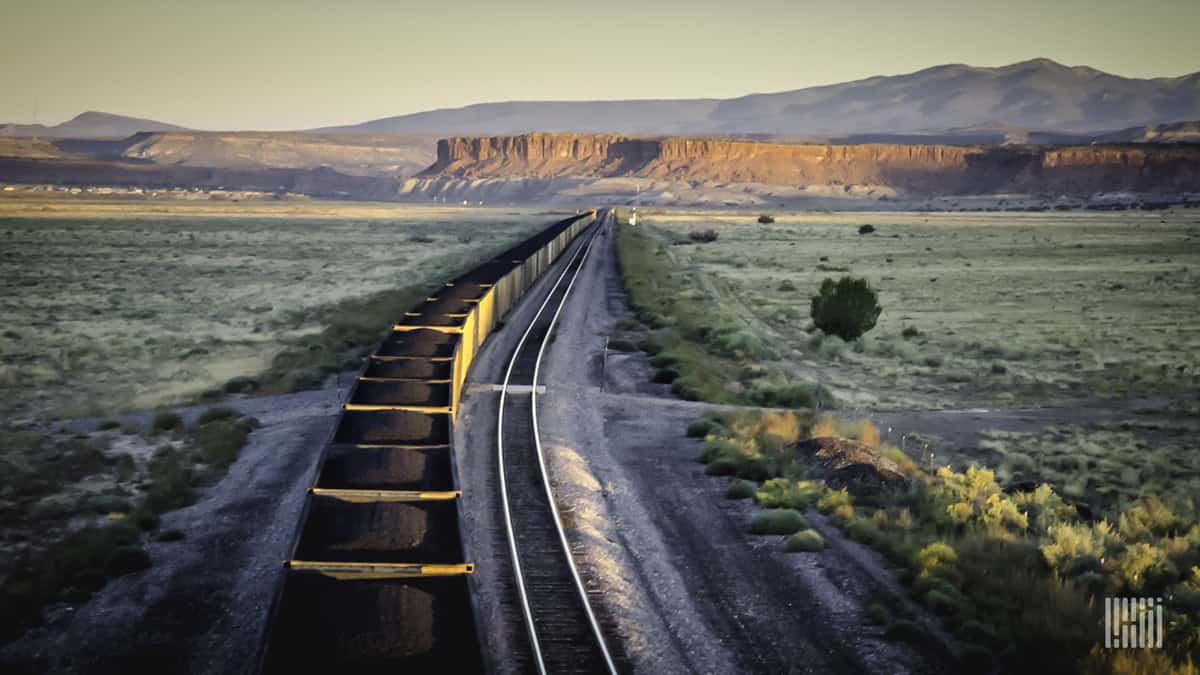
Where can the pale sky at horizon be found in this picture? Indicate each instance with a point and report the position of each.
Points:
(302, 64)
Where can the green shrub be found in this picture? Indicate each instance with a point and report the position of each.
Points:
(910, 332)
(866, 229)
(650, 345)
(166, 421)
(664, 360)
(1148, 517)
(703, 236)
(878, 614)
(219, 442)
(786, 286)
(755, 468)
(685, 389)
(766, 219)
(170, 484)
(832, 499)
(785, 493)
(214, 414)
(863, 531)
(703, 427)
(788, 395)
(778, 521)
(241, 385)
(847, 308)
(806, 541)
(740, 489)
(717, 448)
(722, 466)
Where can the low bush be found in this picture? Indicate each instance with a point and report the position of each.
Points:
(778, 521)
(703, 427)
(703, 236)
(740, 489)
(170, 483)
(787, 494)
(878, 614)
(241, 385)
(805, 541)
(166, 421)
(766, 219)
(722, 466)
(866, 229)
(786, 286)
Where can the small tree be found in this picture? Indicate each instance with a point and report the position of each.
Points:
(866, 229)
(766, 219)
(847, 308)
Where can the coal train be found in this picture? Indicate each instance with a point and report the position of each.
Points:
(377, 579)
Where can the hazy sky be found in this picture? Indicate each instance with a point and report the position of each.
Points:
(255, 64)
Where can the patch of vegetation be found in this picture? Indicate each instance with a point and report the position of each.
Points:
(808, 541)
(74, 568)
(778, 521)
(166, 421)
(703, 236)
(1017, 577)
(847, 308)
(740, 488)
(766, 219)
(714, 354)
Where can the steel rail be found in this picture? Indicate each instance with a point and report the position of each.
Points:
(514, 552)
(537, 441)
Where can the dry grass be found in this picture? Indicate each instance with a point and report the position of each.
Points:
(991, 308)
(111, 306)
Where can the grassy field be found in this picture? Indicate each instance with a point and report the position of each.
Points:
(1015, 545)
(1006, 308)
(112, 306)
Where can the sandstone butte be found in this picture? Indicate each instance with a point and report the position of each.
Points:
(915, 168)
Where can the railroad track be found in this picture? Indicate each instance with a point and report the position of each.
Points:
(564, 633)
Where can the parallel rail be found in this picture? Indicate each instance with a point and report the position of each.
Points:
(564, 633)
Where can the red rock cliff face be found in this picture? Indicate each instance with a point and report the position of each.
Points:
(919, 168)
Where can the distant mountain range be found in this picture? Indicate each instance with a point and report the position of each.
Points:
(1039, 94)
(90, 124)
(1037, 101)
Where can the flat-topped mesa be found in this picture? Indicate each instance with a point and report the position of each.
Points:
(916, 168)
